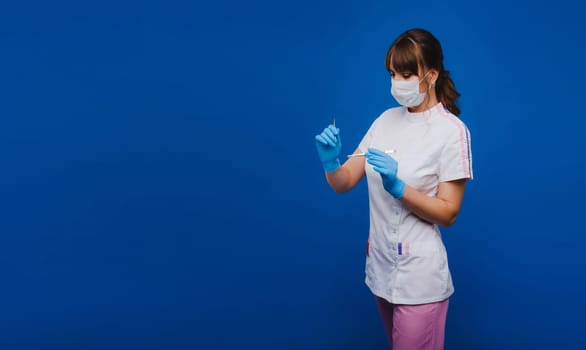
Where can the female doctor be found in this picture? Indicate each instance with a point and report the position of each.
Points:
(417, 160)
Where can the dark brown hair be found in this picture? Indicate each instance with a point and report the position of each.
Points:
(417, 49)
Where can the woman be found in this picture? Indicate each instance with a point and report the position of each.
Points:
(411, 192)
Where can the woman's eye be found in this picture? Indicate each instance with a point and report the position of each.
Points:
(406, 76)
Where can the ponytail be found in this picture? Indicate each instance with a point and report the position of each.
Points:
(446, 92)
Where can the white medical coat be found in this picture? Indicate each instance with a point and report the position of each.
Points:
(406, 259)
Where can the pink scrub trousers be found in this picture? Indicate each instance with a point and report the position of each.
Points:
(414, 327)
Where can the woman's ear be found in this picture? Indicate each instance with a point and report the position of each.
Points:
(434, 74)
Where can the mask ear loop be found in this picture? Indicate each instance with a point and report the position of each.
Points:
(429, 85)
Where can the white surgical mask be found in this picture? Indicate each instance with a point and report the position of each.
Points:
(406, 92)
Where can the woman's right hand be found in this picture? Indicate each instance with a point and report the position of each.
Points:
(329, 146)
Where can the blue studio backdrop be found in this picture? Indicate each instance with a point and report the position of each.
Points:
(161, 188)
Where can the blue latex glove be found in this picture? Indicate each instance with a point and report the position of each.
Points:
(386, 166)
(329, 145)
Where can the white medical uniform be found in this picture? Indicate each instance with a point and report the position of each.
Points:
(406, 259)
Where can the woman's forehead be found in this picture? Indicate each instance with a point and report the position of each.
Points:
(404, 59)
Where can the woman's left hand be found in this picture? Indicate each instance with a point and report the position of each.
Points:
(387, 167)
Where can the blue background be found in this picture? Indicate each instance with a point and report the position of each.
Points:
(161, 189)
